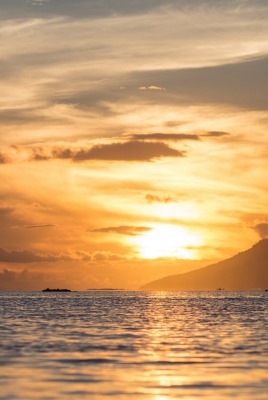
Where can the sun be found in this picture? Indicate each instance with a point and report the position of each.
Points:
(168, 241)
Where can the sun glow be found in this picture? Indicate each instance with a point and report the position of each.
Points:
(168, 241)
(183, 210)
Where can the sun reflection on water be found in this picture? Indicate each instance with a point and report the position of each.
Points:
(150, 346)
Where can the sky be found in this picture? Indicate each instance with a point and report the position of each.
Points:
(133, 138)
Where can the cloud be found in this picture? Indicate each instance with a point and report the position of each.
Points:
(215, 134)
(152, 198)
(129, 151)
(39, 155)
(242, 84)
(25, 256)
(98, 8)
(67, 153)
(99, 256)
(26, 279)
(81, 8)
(3, 158)
(4, 209)
(20, 280)
(165, 136)
(69, 79)
(262, 230)
(39, 226)
(151, 88)
(123, 230)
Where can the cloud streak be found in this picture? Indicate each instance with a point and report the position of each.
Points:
(165, 136)
(39, 226)
(215, 134)
(123, 230)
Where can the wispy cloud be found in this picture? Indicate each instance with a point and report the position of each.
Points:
(153, 198)
(69, 78)
(123, 230)
(39, 226)
(215, 134)
(165, 136)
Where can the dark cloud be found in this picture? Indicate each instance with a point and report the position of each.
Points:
(165, 136)
(152, 198)
(39, 155)
(140, 147)
(123, 230)
(127, 151)
(66, 153)
(25, 256)
(262, 230)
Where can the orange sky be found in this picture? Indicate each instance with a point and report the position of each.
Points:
(133, 138)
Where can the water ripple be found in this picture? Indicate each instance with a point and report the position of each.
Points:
(150, 346)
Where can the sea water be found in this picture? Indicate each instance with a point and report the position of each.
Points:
(134, 345)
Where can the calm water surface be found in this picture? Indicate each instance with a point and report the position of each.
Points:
(134, 345)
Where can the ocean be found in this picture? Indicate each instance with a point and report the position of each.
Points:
(134, 345)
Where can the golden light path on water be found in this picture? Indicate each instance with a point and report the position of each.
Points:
(124, 345)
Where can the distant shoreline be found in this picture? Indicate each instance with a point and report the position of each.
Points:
(104, 289)
(56, 290)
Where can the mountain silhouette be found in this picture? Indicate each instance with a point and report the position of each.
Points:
(244, 271)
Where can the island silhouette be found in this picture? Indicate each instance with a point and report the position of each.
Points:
(247, 270)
